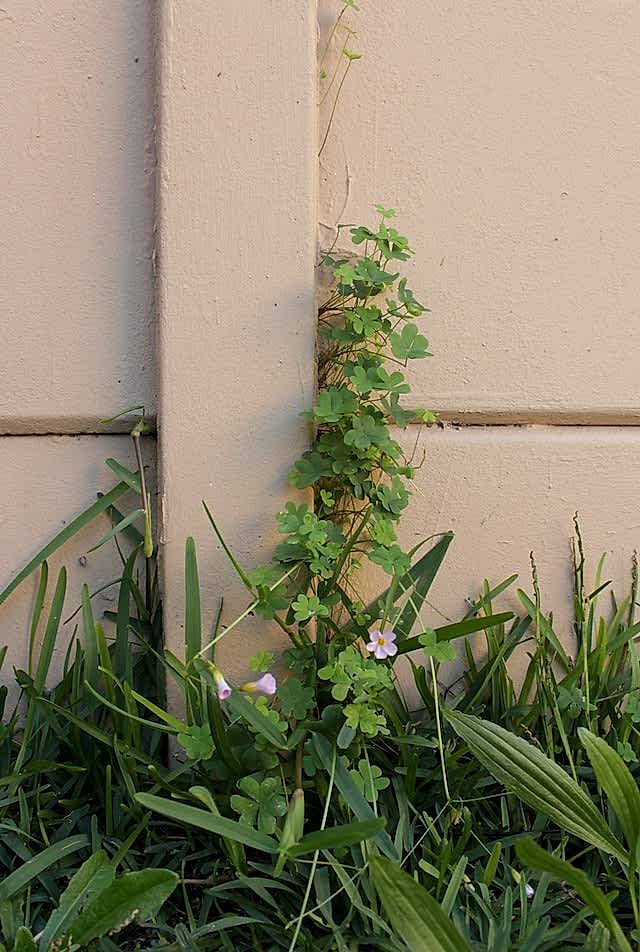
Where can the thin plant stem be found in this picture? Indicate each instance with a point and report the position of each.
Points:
(333, 108)
(436, 701)
(314, 863)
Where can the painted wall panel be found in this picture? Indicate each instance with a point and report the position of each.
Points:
(76, 212)
(506, 134)
(507, 491)
(236, 296)
(47, 481)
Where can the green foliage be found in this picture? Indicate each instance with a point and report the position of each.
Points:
(415, 916)
(272, 805)
(262, 803)
(439, 650)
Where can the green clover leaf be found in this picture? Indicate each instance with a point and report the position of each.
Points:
(391, 560)
(409, 344)
(262, 661)
(369, 780)
(627, 752)
(270, 602)
(438, 650)
(309, 606)
(360, 716)
(197, 742)
(262, 804)
(296, 700)
(407, 297)
(334, 404)
(382, 532)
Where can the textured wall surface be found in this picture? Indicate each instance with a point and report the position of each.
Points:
(47, 481)
(76, 301)
(506, 134)
(76, 208)
(236, 254)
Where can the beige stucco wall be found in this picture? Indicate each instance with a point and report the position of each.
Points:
(47, 481)
(506, 135)
(237, 209)
(76, 296)
(76, 207)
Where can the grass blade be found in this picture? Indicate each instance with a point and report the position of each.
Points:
(67, 533)
(192, 614)
(425, 571)
(337, 837)
(37, 612)
(532, 855)
(90, 638)
(120, 527)
(539, 781)
(18, 880)
(347, 787)
(220, 825)
(414, 914)
(457, 629)
(50, 633)
(616, 780)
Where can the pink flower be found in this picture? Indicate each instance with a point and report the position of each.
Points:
(382, 644)
(265, 685)
(224, 689)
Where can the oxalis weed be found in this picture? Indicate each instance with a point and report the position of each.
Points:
(308, 806)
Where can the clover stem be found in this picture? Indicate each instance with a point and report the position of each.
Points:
(436, 701)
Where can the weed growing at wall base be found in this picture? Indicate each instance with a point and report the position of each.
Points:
(307, 806)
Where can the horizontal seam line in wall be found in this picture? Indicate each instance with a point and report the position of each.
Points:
(69, 433)
(443, 421)
(475, 418)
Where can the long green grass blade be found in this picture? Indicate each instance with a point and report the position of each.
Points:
(50, 633)
(117, 529)
(192, 614)
(545, 628)
(457, 629)
(17, 881)
(616, 780)
(425, 572)
(194, 816)
(539, 781)
(414, 914)
(132, 479)
(337, 837)
(90, 638)
(67, 533)
(532, 855)
(349, 790)
(122, 665)
(244, 708)
(37, 612)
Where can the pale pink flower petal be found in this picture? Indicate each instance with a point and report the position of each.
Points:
(383, 644)
(267, 684)
(224, 689)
